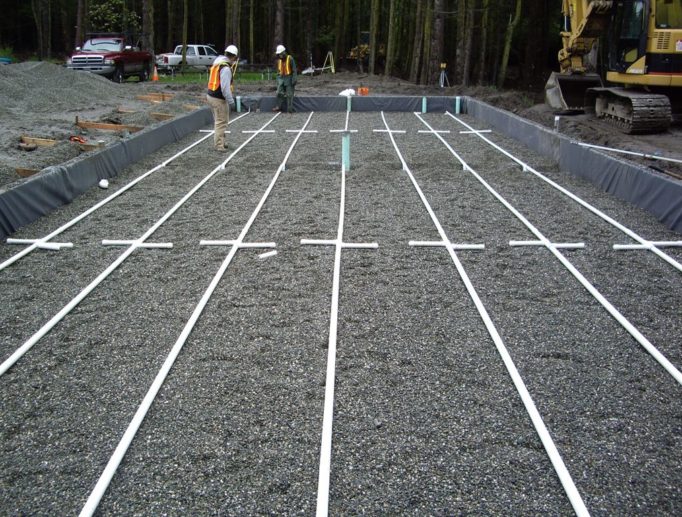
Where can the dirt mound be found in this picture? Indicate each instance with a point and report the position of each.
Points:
(42, 100)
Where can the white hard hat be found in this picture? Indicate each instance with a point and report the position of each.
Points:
(280, 49)
(231, 49)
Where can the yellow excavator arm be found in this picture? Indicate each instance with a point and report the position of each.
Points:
(584, 22)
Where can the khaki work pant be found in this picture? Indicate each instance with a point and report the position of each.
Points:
(221, 116)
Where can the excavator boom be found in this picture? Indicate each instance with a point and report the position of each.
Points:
(643, 41)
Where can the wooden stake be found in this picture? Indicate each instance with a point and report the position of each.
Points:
(106, 126)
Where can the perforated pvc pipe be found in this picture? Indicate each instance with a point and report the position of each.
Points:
(127, 438)
(575, 198)
(547, 441)
(41, 243)
(622, 320)
(90, 287)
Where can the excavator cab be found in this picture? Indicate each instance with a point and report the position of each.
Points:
(643, 40)
(628, 36)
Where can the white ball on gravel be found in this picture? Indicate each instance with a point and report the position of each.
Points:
(104, 184)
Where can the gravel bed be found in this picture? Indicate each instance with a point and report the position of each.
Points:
(427, 420)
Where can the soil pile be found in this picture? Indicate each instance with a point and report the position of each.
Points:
(42, 100)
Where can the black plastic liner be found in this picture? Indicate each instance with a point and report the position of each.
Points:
(647, 189)
(357, 103)
(55, 186)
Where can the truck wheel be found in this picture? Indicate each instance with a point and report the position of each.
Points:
(118, 75)
(144, 75)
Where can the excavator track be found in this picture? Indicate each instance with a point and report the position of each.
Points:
(630, 110)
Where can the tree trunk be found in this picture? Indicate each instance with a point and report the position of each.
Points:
(200, 16)
(461, 38)
(65, 20)
(169, 26)
(148, 25)
(185, 27)
(47, 16)
(468, 44)
(78, 40)
(236, 16)
(537, 50)
(513, 22)
(390, 46)
(338, 28)
(428, 23)
(279, 24)
(37, 18)
(482, 51)
(418, 41)
(374, 16)
(228, 23)
(252, 48)
(436, 41)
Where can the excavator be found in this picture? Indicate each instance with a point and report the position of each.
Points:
(642, 42)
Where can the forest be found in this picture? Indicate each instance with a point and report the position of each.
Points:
(503, 43)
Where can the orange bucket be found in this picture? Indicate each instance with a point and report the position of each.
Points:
(363, 90)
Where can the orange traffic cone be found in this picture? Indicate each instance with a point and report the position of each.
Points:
(155, 76)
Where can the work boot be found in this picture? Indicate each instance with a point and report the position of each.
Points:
(276, 109)
(221, 149)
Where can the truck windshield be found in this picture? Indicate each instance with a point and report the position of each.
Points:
(101, 45)
(669, 14)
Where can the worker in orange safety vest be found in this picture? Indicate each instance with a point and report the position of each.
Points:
(220, 93)
(286, 80)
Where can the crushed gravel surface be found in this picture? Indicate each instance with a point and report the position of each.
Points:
(427, 420)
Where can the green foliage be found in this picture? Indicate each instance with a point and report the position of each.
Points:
(7, 52)
(325, 38)
(113, 16)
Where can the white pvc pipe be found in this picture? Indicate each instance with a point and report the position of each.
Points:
(242, 244)
(647, 245)
(632, 330)
(575, 198)
(632, 153)
(88, 289)
(120, 451)
(547, 441)
(322, 509)
(447, 244)
(345, 127)
(569, 245)
(120, 191)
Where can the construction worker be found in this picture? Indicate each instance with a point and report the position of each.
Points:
(219, 94)
(286, 80)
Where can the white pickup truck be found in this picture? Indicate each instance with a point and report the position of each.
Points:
(198, 56)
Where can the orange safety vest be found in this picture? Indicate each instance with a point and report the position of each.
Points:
(214, 80)
(284, 66)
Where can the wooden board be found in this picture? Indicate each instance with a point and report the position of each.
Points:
(106, 126)
(156, 97)
(25, 173)
(162, 116)
(126, 110)
(90, 147)
(40, 142)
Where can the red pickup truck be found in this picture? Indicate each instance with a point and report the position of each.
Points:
(112, 56)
